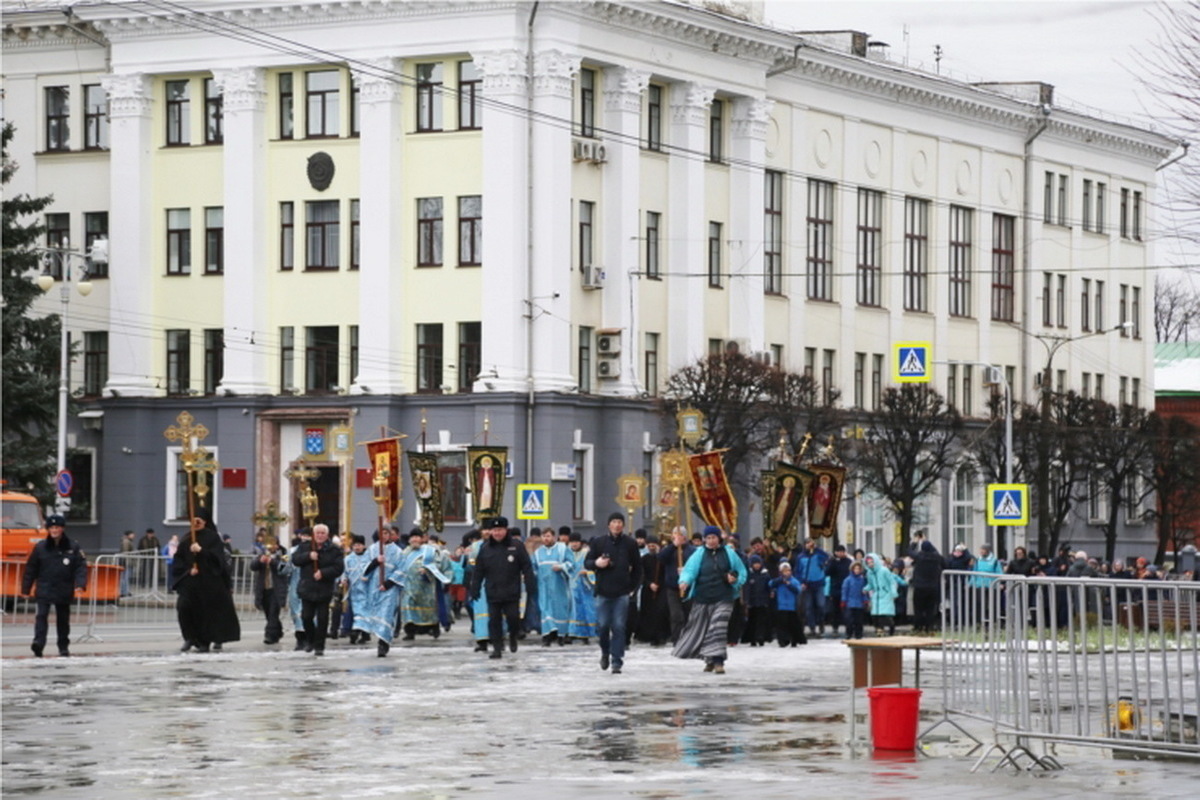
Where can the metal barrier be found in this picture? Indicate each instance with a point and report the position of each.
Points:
(1089, 661)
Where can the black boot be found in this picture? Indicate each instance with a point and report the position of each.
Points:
(481, 646)
(383, 648)
(512, 642)
(301, 641)
(497, 650)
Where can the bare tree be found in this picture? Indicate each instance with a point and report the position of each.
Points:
(908, 448)
(1176, 311)
(798, 405)
(1175, 481)
(1118, 454)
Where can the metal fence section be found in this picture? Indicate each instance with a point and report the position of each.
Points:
(1089, 661)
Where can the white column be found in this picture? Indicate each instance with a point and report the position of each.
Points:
(246, 220)
(552, 278)
(745, 262)
(687, 224)
(623, 90)
(504, 353)
(133, 274)
(381, 182)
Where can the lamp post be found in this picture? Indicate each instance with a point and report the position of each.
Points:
(97, 254)
(1053, 344)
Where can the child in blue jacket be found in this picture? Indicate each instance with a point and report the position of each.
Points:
(854, 601)
(789, 630)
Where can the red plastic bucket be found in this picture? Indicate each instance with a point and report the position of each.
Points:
(894, 717)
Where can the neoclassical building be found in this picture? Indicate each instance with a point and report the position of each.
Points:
(513, 221)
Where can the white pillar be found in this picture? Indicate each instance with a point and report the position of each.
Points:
(133, 274)
(246, 220)
(552, 279)
(687, 223)
(623, 90)
(381, 182)
(503, 351)
(745, 263)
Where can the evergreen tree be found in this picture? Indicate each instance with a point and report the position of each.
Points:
(31, 347)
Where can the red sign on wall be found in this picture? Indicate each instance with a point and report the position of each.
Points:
(233, 478)
(363, 478)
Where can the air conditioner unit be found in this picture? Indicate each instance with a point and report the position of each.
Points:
(992, 376)
(608, 368)
(593, 277)
(608, 344)
(589, 150)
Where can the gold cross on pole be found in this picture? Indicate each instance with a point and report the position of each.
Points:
(271, 519)
(186, 433)
(309, 508)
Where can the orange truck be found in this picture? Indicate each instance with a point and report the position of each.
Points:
(21, 528)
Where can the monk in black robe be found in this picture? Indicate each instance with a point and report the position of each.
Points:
(202, 578)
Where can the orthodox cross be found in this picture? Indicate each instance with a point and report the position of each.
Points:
(308, 498)
(270, 519)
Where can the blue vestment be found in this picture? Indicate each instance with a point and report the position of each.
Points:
(554, 587)
(583, 598)
(377, 613)
(424, 567)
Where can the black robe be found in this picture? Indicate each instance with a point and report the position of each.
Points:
(654, 618)
(205, 604)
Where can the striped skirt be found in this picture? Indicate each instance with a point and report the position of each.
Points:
(706, 632)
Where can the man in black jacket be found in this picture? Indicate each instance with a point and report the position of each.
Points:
(618, 567)
(500, 566)
(58, 567)
(320, 566)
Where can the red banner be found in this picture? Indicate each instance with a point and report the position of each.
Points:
(713, 495)
(385, 460)
(825, 498)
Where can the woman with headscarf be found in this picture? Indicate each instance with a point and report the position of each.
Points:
(882, 588)
(201, 576)
(712, 578)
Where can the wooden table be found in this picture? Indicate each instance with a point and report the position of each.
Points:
(879, 662)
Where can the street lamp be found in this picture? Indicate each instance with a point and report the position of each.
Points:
(1053, 344)
(97, 254)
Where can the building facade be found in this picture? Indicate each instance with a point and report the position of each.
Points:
(515, 220)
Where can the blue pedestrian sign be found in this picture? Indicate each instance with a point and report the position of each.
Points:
(533, 501)
(1008, 504)
(910, 362)
(64, 482)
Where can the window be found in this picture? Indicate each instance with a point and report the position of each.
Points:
(179, 361)
(860, 368)
(452, 473)
(582, 492)
(961, 225)
(714, 255)
(651, 364)
(214, 241)
(320, 359)
(287, 106)
(95, 118)
(810, 363)
(1047, 298)
(214, 359)
(214, 128)
(82, 464)
(1085, 386)
(429, 232)
(1099, 386)
(355, 109)
(469, 82)
(827, 384)
(1135, 312)
(716, 131)
(95, 362)
(1123, 310)
(1062, 200)
(968, 403)
(179, 107)
(1100, 203)
(819, 224)
(287, 359)
(876, 380)
(324, 111)
(353, 353)
(1134, 512)
(654, 109)
(1060, 301)
(58, 237)
(1097, 500)
(777, 355)
(587, 102)
(355, 237)
(1085, 305)
(58, 118)
(1048, 199)
(179, 241)
(95, 227)
(773, 233)
(429, 97)
(429, 358)
(1123, 391)
(470, 352)
(1087, 205)
(287, 236)
(586, 210)
(916, 254)
(470, 231)
(962, 525)
(1003, 266)
(1135, 398)
(1099, 305)
(584, 358)
(952, 385)
(869, 246)
(716, 347)
(1136, 216)
(653, 269)
(321, 228)
(177, 487)
(872, 509)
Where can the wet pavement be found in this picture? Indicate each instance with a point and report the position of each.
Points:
(130, 717)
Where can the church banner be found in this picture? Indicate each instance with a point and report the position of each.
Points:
(423, 470)
(485, 472)
(784, 490)
(713, 493)
(825, 498)
(385, 461)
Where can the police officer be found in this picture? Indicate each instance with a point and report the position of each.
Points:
(58, 568)
(500, 566)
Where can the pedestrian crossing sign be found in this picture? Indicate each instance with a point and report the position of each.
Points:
(1008, 504)
(533, 501)
(910, 362)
